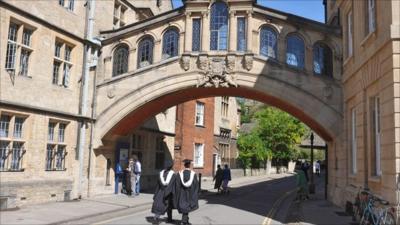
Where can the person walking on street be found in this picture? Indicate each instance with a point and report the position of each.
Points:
(186, 199)
(305, 166)
(318, 168)
(138, 172)
(226, 177)
(164, 194)
(131, 169)
(218, 179)
(302, 184)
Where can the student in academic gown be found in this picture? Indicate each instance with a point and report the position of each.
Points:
(187, 192)
(163, 196)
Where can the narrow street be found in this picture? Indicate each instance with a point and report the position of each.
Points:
(249, 204)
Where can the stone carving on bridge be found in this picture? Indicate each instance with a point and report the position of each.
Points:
(248, 62)
(215, 73)
(185, 62)
(230, 63)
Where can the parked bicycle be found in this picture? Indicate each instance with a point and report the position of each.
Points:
(360, 203)
(378, 212)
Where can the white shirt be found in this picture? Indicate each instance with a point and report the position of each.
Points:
(138, 167)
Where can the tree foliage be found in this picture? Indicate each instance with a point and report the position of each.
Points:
(276, 136)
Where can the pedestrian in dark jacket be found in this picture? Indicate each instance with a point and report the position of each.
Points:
(226, 177)
(187, 192)
(218, 178)
(165, 191)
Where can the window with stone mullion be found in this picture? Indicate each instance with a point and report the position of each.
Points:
(196, 33)
(295, 51)
(4, 152)
(241, 34)
(268, 42)
(219, 26)
(145, 52)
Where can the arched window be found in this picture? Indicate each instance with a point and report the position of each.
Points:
(219, 26)
(268, 42)
(295, 51)
(120, 60)
(170, 43)
(322, 55)
(145, 52)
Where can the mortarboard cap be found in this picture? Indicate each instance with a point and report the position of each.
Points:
(187, 161)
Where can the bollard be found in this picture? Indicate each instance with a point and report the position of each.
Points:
(199, 182)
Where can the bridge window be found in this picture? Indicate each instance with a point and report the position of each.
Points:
(322, 59)
(241, 34)
(196, 35)
(170, 43)
(120, 60)
(145, 52)
(268, 42)
(295, 51)
(219, 26)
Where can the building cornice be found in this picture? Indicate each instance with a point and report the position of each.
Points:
(44, 110)
(111, 35)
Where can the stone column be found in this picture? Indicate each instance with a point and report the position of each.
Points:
(157, 51)
(232, 28)
(249, 31)
(205, 32)
(188, 32)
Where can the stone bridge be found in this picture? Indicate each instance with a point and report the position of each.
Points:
(213, 48)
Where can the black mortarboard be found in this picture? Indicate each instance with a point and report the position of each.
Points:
(187, 161)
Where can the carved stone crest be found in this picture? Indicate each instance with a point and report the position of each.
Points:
(216, 75)
(111, 92)
(185, 62)
(248, 62)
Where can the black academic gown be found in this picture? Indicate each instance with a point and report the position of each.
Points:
(163, 196)
(186, 198)
(218, 179)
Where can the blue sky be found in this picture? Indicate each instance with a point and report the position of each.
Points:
(312, 9)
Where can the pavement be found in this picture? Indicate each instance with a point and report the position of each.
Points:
(102, 208)
(317, 210)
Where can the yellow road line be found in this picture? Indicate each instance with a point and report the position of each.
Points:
(271, 213)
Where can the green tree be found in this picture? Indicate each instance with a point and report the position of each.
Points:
(252, 150)
(280, 132)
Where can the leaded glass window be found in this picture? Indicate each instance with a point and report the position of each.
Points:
(241, 34)
(170, 43)
(268, 42)
(322, 55)
(145, 52)
(16, 155)
(219, 26)
(18, 123)
(11, 46)
(120, 60)
(196, 35)
(24, 62)
(295, 51)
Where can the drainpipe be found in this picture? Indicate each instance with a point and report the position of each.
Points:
(84, 91)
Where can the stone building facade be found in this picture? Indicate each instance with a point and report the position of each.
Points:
(226, 130)
(48, 69)
(371, 96)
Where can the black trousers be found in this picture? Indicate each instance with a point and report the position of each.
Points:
(185, 218)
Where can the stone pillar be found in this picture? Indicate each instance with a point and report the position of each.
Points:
(132, 59)
(249, 31)
(157, 51)
(205, 32)
(188, 32)
(232, 28)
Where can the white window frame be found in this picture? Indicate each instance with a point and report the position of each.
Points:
(198, 159)
(354, 141)
(62, 59)
(371, 8)
(349, 34)
(377, 133)
(199, 117)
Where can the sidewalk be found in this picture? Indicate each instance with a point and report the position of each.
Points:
(62, 212)
(317, 210)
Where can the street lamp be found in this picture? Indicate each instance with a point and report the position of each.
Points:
(312, 185)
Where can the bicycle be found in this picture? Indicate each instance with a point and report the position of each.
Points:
(360, 203)
(377, 216)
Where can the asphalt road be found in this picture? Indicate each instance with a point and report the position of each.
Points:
(252, 204)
